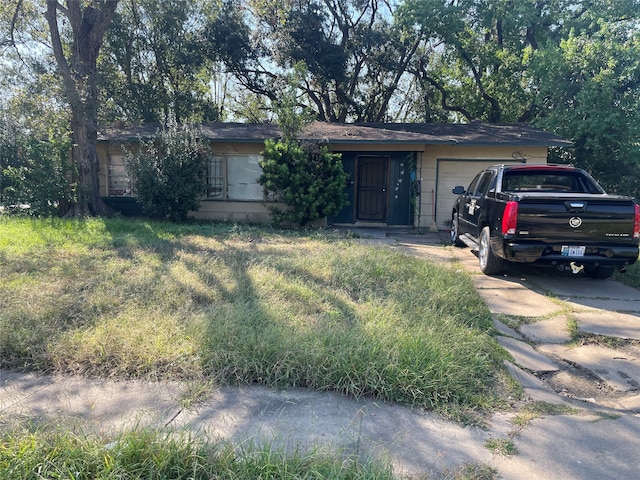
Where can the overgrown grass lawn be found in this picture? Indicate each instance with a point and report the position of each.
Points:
(137, 299)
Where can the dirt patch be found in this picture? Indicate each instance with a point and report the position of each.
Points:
(577, 383)
(573, 381)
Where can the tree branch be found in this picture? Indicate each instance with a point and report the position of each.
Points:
(51, 15)
(422, 74)
(494, 115)
(14, 19)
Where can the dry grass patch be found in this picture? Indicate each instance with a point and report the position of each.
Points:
(286, 309)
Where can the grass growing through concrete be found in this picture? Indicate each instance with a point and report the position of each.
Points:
(535, 410)
(238, 305)
(501, 446)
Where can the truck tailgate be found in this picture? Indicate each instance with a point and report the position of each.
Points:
(583, 219)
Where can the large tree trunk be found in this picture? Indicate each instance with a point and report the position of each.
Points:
(88, 199)
(89, 21)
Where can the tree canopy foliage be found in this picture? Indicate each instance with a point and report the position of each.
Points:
(355, 57)
(153, 65)
(34, 170)
(569, 66)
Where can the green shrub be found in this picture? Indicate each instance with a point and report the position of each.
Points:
(35, 172)
(169, 172)
(306, 177)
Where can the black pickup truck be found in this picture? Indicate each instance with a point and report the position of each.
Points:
(553, 215)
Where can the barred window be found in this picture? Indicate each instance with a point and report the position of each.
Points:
(215, 177)
(234, 177)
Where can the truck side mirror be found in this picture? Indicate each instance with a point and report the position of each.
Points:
(459, 190)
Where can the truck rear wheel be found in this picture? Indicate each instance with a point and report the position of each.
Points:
(599, 273)
(490, 264)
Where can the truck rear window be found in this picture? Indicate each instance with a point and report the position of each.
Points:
(553, 182)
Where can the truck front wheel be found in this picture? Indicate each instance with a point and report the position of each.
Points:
(490, 264)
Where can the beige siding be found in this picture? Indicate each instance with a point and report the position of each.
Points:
(102, 150)
(240, 212)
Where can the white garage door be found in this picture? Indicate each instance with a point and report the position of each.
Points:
(452, 173)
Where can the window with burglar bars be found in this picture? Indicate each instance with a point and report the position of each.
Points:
(215, 177)
(119, 182)
(229, 177)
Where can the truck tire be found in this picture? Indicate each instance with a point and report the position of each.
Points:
(455, 231)
(600, 273)
(490, 264)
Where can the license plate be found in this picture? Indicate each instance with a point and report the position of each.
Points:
(572, 251)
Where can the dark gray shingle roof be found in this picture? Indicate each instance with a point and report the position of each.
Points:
(223, 132)
(473, 134)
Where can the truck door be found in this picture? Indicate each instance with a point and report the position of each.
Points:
(463, 208)
(474, 205)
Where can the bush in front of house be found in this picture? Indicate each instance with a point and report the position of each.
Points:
(306, 177)
(35, 173)
(169, 173)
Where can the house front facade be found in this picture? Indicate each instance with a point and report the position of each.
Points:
(399, 175)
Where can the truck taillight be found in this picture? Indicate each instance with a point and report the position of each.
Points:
(510, 218)
(636, 223)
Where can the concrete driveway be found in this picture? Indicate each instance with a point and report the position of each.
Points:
(556, 324)
(587, 390)
(575, 342)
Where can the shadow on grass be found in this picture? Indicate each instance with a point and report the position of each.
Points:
(160, 301)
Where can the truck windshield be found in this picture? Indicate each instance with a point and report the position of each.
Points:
(555, 182)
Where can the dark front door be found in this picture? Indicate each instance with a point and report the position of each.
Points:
(372, 188)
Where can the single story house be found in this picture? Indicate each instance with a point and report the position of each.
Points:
(400, 174)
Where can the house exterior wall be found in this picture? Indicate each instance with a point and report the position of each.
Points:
(426, 174)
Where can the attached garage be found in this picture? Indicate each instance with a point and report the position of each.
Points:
(453, 172)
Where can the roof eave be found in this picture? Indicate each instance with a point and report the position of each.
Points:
(331, 141)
